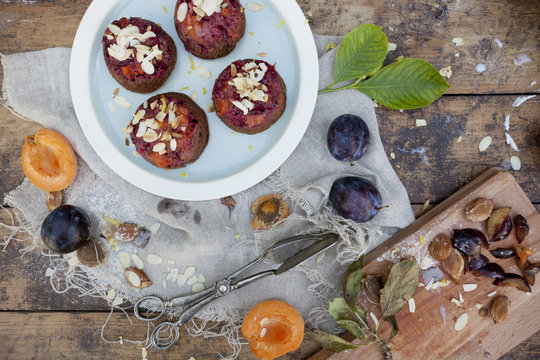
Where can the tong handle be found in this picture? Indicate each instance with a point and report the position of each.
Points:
(191, 310)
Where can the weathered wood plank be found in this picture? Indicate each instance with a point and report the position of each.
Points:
(419, 29)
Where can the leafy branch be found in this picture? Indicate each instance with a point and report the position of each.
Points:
(406, 84)
(350, 315)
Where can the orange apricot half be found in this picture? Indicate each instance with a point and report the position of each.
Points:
(48, 160)
(273, 328)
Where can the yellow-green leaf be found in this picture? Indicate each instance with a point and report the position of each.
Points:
(406, 84)
(330, 342)
(352, 280)
(353, 328)
(400, 287)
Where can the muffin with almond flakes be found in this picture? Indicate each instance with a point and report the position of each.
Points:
(249, 96)
(139, 54)
(169, 130)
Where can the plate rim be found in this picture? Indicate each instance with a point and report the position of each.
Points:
(80, 88)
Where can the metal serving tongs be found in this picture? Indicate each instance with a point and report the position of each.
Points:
(190, 305)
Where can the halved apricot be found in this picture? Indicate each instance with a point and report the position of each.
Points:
(273, 328)
(48, 160)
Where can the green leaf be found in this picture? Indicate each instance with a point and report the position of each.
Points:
(400, 287)
(340, 310)
(352, 281)
(395, 327)
(361, 53)
(406, 84)
(353, 328)
(330, 342)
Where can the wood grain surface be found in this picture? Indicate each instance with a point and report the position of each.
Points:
(38, 323)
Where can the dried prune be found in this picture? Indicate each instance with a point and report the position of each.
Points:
(490, 270)
(500, 308)
(531, 278)
(522, 228)
(454, 265)
(513, 280)
(348, 138)
(65, 229)
(478, 209)
(440, 247)
(499, 224)
(468, 241)
(355, 198)
(503, 253)
(477, 262)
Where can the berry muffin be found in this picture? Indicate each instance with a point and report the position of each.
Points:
(169, 130)
(139, 54)
(210, 29)
(249, 96)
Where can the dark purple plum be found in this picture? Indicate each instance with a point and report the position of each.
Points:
(468, 241)
(355, 198)
(503, 253)
(490, 270)
(522, 228)
(348, 138)
(65, 229)
(513, 280)
(477, 262)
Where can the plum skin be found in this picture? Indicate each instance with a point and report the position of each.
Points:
(65, 229)
(348, 138)
(355, 198)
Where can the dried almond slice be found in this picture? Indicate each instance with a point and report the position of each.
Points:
(124, 259)
(137, 278)
(203, 72)
(182, 12)
(461, 322)
(154, 259)
(189, 272)
(137, 261)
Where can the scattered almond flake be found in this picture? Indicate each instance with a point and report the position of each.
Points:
(507, 123)
(191, 358)
(210, 107)
(154, 228)
(173, 144)
(479, 306)
(329, 47)
(429, 285)
(280, 24)
(183, 174)
(421, 284)
(117, 300)
(197, 288)
(172, 275)
(111, 294)
(459, 139)
(144, 352)
(392, 155)
(170, 262)
(251, 6)
(469, 287)
(121, 340)
(379, 232)
(515, 162)
(320, 257)
(194, 95)
(49, 272)
(137, 261)
(520, 100)
(181, 280)
(480, 67)
(484, 143)
(391, 28)
(461, 300)
(446, 72)
(158, 147)
(262, 333)
(192, 280)
(136, 153)
(492, 293)
(456, 54)
(392, 46)
(511, 142)
(425, 206)
(112, 108)
(374, 318)
(119, 265)
(117, 90)
(498, 42)
(521, 59)
(262, 54)
(203, 72)
(122, 101)
(154, 259)
(188, 273)
(148, 67)
(425, 262)
(461, 322)
(456, 301)
(458, 41)
(125, 259)
(421, 122)
(421, 239)
(202, 278)
(412, 305)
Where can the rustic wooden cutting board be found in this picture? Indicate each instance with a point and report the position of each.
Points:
(425, 334)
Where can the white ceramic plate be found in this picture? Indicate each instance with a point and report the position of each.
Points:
(231, 162)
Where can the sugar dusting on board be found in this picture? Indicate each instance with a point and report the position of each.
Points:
(481, 67)
(417, 150)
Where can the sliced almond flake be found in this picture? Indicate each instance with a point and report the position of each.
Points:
(158, 147)
(264, 322)
(122, 101)
(194, 95)
(111, 294)
(154, 228)
(117, 300)
(119, 265)
(484, 143)
(173, 144)
(202, 278)
(374, 318)
(150, 136)
(461, 322)
(456, 301)
(469, 287)
(170, 262)
(392, 46)
(233, 70)
(251, 6)
(412, 305)
(203, 72)
(320, 257)
(133, 279)
(153, 104)
(192, 280)
(125, 131)
(458, 41)
(429, 285)
(162, 151)
(197, 288)
(200, 13)
(112, 108)
(182, 11)
(148, 67)
(461, 300)
(188, 273)
(515, 162)
(262, 54)
(421, 122)
(136, 153)
(239, 105)
(393, 155)
(49, 272)
(161, 116)
(479, 306)
(137, 261)
(125, 259)
(492, 293)
(421, 284)
(459, 139)
(114, 29)
(154, 259)
(173, 275)
(176, 122)
(262, 333)
(181, 280)
(210, 107)
(446, 72)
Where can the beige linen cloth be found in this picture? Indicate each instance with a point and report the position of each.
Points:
(204, 234)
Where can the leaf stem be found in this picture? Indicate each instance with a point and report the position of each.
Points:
(329, 89)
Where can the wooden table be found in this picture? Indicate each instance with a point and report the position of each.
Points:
(35, 322)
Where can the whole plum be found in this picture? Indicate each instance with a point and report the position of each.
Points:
(348, 138)
(355, 198)
(65, 229)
